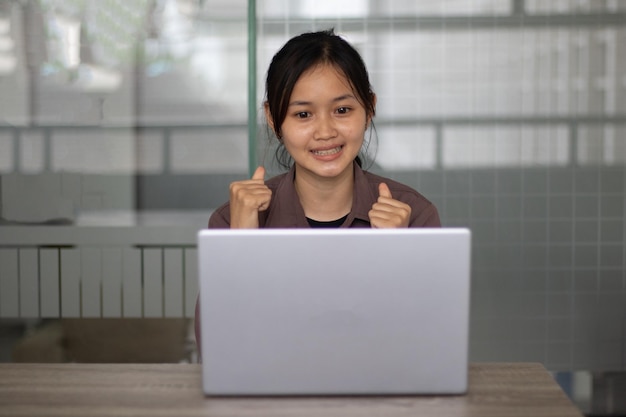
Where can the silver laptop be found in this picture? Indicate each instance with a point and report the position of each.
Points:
(334, 311)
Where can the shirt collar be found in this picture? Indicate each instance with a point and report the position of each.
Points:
(289, 211)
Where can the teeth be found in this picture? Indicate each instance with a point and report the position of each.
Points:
(327, 151)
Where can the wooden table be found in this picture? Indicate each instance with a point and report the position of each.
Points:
(498, 389)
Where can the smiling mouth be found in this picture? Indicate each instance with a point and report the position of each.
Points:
(327, 152)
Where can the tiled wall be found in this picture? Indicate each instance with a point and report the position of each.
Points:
(549, 280)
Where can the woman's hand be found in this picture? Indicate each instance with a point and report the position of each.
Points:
(387, 212)
(247, 199)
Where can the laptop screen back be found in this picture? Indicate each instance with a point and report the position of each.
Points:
(335, 311)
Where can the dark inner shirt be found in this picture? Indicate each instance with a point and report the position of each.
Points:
(332, 223)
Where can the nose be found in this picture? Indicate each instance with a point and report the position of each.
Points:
(325, 128)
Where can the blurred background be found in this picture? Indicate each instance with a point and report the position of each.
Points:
(123, 122)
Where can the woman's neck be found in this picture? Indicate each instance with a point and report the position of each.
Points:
(325, 199)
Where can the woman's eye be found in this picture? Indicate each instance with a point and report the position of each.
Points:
(302, 115)
(343, 110)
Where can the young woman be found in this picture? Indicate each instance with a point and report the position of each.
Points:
(319, 105)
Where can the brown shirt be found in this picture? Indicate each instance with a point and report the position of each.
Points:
(285, 210)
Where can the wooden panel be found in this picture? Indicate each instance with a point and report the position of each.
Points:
(191, 281)
(152, 283)
(70, 283)
(91, 278)
(72, 389)
(112, 282)
(49, 274)
(132, 298)
(29, 283)
(173, 282)
(9, 284)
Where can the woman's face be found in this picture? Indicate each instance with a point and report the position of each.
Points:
(325, 123)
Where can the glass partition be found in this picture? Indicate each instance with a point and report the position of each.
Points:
(509, 115)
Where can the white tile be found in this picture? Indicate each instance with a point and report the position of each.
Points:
(91, 281)
(173, 282)
(7, 164)
(70, 283)
(29, 283)
(49, 283)
(152, 282)
(111, 282)
(209, 151)
(132, 297)
(191, 281)
(32, 152)
(93, 151)
(9, 283)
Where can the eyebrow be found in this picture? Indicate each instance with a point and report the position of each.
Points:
(336, 99)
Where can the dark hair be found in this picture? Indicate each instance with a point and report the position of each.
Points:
(301, 53)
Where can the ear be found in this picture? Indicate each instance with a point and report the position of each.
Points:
(268, 117)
